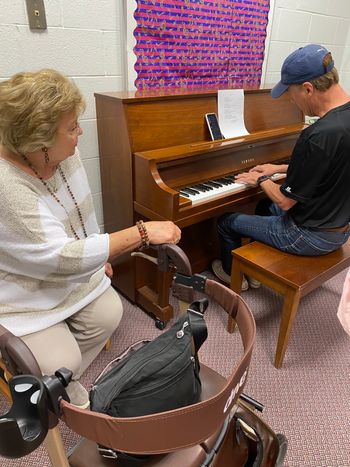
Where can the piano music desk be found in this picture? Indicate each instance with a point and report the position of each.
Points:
(289, 275)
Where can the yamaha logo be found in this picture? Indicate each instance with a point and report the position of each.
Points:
(248, 161)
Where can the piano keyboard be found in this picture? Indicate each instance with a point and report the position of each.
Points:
(205, 191)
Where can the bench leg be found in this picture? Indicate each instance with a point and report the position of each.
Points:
(236, 285)
(290, 307)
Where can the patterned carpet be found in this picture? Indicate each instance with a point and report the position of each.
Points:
(307, 399)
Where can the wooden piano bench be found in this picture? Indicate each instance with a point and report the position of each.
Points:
(289, 275)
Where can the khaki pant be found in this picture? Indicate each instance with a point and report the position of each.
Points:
(76, 342)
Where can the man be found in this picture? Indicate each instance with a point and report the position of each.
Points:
(309, 213)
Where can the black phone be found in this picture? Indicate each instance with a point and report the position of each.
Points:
(213, 125)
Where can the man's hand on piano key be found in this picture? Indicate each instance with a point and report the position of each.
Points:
(269, 169)
(251, 178)
(248, 178)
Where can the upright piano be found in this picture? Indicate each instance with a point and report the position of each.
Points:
(155, 156)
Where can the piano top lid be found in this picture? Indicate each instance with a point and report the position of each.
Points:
(174, 93)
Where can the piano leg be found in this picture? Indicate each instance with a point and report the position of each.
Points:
(156, 302)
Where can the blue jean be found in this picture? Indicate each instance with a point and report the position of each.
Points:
(278, 230)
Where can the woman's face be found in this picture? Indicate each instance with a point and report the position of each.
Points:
(68, 133)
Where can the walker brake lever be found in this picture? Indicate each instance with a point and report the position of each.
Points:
(150, 258)
(169, 256)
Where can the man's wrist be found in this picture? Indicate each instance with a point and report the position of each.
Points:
(261, 179)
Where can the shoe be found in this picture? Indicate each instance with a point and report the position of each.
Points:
(219, 272)
(78, 395)
(245, 284)
(253, 283)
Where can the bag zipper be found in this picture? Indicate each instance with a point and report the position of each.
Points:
(120, 357)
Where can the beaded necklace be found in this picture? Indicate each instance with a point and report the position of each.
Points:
(53, 194)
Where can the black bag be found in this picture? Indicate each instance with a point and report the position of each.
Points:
(161, 375)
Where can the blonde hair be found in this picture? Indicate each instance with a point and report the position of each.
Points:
(327, 80)
(31, 107)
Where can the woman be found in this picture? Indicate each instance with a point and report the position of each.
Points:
(54, 289)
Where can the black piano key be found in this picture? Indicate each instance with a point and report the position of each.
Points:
(184, 194)
(230, 181)
(190, 191)
(186, 190)
(201, 187)
(208, 188)
(194, 191)
(222, 181)
(216, 182)
(212, 184)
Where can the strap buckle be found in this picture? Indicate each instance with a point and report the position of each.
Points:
(197, 281)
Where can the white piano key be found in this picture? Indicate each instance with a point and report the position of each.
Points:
(223, 190)
(215, 192)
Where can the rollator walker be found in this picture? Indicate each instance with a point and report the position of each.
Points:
(221, 430)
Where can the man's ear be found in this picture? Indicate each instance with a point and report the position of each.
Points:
(308, 88)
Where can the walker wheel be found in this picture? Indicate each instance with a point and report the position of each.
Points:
(160, 324)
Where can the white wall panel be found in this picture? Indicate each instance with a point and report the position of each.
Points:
(83, 40)
(292, 25)
(297, 23)
(323, 29)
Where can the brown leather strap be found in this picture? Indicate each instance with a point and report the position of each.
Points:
(163, 432)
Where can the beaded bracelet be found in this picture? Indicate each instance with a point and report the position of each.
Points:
(143, 234)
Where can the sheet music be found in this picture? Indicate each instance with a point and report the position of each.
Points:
(231, 112)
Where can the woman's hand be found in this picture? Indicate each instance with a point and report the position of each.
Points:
(129, 239)
(162, 232)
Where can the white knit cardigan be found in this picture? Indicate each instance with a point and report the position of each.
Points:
(46, 274)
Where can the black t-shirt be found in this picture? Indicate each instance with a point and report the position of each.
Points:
(318, 175)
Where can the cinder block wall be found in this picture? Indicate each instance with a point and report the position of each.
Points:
(83, 40)
(296, 23)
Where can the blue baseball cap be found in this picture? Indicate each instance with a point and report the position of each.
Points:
(304, 64)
